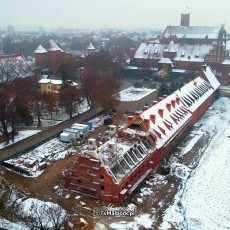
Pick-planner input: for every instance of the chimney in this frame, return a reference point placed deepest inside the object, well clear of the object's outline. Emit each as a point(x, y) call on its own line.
point(146, 107)
point(204, 67)
point(195, 83)
point(147, 123)
point(161, 112)
point(164, 96)
point(168, 106)
point(137, 113)
point(173, 102)
point(178, 100)
point(160, 98)
point(153, 118)
point(154, 102)
point(130, 119)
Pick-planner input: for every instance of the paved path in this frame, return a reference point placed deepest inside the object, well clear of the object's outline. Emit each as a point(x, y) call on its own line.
point(44, 134)
point(51, 131)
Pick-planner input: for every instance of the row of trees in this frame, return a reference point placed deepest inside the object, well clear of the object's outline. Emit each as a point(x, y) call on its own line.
point(100, 82)
point(21, 101)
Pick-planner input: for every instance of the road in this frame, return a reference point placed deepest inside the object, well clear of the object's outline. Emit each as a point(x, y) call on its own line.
point(51, 131)
point(44, 134)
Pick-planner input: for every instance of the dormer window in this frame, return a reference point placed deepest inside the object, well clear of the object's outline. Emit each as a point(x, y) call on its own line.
point(145, 51)
point(197, 54)
point(156, 51)
point(183, 53)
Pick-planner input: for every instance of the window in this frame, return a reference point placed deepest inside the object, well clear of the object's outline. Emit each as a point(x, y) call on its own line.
point(78, 181)
point(102, 177)
point(102, 187)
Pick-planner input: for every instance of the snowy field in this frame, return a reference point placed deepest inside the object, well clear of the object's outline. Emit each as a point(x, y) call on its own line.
point(205, 196)
point(21, 135)
point(134, 94)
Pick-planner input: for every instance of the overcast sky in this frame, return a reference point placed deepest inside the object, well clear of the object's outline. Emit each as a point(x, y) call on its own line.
point(124, 14)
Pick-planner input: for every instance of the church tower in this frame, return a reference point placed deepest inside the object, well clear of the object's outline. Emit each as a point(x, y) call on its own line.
point(185, 18)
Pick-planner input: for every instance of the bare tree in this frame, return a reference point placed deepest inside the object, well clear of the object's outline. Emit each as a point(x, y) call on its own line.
point(8, 116)
point(105, 92)
point(46, 217)
point(70, 99)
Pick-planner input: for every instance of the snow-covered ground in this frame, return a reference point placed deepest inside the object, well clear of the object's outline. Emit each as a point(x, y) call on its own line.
point(134, 94)
point(203, 202)
point(61, 115)
point(21, 135)
point(46, 214)
point(36, 160)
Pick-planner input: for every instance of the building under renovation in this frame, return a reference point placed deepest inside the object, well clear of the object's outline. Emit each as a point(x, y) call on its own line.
point(113, 170)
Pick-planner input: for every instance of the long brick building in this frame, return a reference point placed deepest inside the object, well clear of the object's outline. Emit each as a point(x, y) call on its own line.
point(113, 170)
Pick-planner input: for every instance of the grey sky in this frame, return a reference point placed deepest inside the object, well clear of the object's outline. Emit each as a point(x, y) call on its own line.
point(125, 14)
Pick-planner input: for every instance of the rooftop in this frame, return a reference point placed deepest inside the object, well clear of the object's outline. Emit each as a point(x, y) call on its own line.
point(195, 32)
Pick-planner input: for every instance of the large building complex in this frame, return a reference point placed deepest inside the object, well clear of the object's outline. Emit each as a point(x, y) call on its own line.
point(184, 48)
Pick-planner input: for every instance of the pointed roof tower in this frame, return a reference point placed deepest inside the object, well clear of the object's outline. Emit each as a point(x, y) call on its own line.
point(90, 47)
point(40, 50)
point(52, 46)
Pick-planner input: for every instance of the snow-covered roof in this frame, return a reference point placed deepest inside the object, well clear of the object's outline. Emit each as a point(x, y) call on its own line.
point(171, 48)
point(165, 60)
point(228, 45)
point(168, 116)
point(195, 32)
point(184, 52)
point(52, 81)
point(174, 116)
point(12, 66)
point(52, 46)
point(194, 53)
point(194, 93)
point(211, 77)
point(40, 50)
point(149, 51)
point(90, 47)
point(226, 61)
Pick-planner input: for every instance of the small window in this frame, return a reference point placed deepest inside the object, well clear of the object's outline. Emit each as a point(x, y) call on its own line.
point(78, 181)
point(102, 187)
point(102, 177)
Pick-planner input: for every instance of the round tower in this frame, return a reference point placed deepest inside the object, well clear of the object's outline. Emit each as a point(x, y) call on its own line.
point(41, 56)
point(55, 54)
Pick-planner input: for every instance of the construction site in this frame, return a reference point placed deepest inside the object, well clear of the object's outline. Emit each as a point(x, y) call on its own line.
point(112, 170)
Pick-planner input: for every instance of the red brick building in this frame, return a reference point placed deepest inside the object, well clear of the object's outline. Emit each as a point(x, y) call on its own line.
point(113, 170)
point(187, 47)
point(51, 56)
